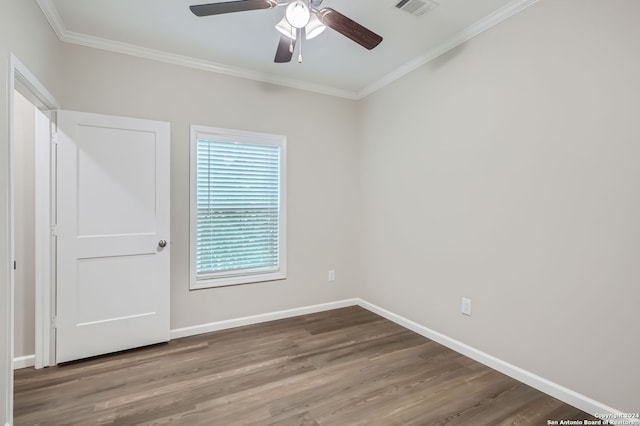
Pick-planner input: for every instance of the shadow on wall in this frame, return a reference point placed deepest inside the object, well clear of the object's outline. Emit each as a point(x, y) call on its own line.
point(272, 88)
point(442, 60)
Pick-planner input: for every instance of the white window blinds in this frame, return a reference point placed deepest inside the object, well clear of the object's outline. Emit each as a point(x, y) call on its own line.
point(238, 203)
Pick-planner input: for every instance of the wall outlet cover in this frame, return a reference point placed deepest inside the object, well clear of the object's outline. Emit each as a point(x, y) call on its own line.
point(465, 307)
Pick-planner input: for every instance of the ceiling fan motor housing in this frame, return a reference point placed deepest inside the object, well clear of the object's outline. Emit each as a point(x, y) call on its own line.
point(298, 14)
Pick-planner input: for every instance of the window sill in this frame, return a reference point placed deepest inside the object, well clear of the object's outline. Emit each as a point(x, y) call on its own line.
point(199, 284)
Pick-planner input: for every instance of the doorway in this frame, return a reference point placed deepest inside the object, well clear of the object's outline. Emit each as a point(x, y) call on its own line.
point(99, 223)
point(31, 119)
point(24, 138)
point(32, 240)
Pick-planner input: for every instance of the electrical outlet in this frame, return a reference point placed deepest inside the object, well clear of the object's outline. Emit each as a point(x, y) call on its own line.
point(465, 307)
point(331, 276)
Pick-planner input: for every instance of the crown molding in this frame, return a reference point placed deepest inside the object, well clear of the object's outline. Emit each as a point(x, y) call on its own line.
point(197, 63)
point(467, 34)
point(52, 15)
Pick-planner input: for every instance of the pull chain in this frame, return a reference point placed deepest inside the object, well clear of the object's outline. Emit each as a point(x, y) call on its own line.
point(291, 41)
point(300, 36)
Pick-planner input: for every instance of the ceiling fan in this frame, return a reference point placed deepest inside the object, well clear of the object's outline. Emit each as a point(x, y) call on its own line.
point(303, 19)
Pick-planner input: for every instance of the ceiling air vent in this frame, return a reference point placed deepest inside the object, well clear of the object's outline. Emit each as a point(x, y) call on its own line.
point(417, 7)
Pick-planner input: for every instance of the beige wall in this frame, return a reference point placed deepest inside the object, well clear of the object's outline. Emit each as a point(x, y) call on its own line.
point(322, 182)
point(24, 224)
point(507, 171)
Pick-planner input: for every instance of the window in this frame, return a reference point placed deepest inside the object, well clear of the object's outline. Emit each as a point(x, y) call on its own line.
point(238, 205)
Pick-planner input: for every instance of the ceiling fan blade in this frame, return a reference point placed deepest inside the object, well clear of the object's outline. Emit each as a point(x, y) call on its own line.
point(282, 53)
point(349, 28)
point(231, 6)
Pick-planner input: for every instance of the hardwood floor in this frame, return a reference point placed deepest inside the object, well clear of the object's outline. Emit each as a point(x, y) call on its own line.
point(342, 367)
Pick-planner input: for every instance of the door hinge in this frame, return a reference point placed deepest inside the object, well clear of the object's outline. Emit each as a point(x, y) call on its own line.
point(54, 321)
point(54, 231)
point(15, 265)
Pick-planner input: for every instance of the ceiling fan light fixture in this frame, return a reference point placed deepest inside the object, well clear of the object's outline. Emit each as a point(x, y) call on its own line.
point(298, 14)
point(314, 28)
point(285, 28)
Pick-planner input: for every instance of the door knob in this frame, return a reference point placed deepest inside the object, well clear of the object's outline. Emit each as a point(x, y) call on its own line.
point(162, 243)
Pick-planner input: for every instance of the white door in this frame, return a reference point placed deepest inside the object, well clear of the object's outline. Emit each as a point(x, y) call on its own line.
point(112, 228)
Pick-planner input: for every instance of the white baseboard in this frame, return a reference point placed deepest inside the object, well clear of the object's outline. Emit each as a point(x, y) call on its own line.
point(24, 361)
point(256, 319)
point(568, 396)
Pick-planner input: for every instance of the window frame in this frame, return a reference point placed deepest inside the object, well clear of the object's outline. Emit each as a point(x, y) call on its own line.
point(242, 137)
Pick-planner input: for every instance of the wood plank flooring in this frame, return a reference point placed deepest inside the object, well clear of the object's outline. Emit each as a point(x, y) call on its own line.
point(341, 367)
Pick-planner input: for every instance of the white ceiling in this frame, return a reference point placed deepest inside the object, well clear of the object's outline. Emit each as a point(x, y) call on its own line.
point(244, 43)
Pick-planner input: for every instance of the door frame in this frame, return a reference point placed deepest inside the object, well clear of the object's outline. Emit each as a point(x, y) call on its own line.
point(25, 82)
